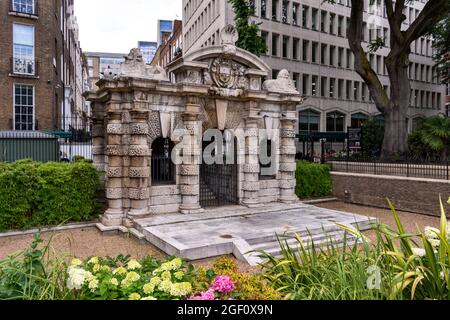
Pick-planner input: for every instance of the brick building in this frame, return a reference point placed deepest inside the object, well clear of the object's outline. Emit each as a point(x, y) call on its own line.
point(171, 48)
point(42, 74)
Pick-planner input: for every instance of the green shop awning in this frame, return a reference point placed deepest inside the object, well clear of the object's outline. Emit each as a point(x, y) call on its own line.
point(61, 134)
point(316, 136)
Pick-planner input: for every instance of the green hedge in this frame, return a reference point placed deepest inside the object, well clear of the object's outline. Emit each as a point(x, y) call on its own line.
point(313, 180)
point(36, 194)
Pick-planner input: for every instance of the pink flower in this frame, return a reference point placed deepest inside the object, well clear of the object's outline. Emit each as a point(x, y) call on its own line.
point(206, 296)
point(223, 284)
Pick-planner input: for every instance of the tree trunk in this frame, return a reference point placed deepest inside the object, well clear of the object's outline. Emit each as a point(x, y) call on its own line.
point(396, 131)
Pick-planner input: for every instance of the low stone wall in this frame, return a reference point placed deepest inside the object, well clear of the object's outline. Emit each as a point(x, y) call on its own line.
point(407, 194)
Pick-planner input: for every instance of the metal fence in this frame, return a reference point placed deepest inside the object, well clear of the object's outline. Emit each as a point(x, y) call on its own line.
point(403, 168)
point(67, 145)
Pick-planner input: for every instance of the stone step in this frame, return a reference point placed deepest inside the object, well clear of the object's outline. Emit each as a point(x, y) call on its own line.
point(261, 239)
point(337, 241)
point(293, 240)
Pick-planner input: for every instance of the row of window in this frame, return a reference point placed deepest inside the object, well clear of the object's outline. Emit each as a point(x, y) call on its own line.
point(310, 120)
point(321, 53)
point(334, 88)
point(309, 17)
point(204, 20)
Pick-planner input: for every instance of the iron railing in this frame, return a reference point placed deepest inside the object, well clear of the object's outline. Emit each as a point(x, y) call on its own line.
point(218, 185)
point(22, 66)
point(163, 171)
point(428, 169)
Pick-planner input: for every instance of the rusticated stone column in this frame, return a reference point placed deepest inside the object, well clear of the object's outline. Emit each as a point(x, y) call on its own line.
point(98, 137)
point(114, 171)
point(190, 167)
point(287, 161)
point(139, 169)
point(250, 185)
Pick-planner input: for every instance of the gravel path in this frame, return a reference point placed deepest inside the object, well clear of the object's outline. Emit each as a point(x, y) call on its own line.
point(87, 242)
point(409, 220)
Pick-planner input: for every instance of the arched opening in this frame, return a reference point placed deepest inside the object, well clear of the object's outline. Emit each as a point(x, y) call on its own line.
point(335, 122)
point(309, 121)
point(359, 119)
point(163, 169)
point(219, 178)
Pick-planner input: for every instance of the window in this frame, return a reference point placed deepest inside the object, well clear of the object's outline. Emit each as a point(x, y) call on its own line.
point(358, 119)
point(323, 53)
point(305, 80)
point(295, 9)
point(332, 87)
point(295, 44)
point(305, 12)
point(335, 122)
point(332, 21)
point(314, 84)
point(275, 10)
point(23, 107)
point(323, 86)
point(379, 120)
point(323, 21)
point(348, 94)
point(284, 13)
point(349, 58)
point(275, 38)
point(265, 37)
point(356, 90)
point(341, 26)
point(23, 6)
point(309, 121)
point(416, 123)
point(340, 88)
point(285, 47)
point(263, 9)
point(332, 55)
point(305, 50)
point(315, 13)
point(163, 169)
point(23, 51)
point(314, 52)
point(341, 57)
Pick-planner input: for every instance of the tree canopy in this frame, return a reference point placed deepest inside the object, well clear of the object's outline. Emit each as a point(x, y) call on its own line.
point(249, 38)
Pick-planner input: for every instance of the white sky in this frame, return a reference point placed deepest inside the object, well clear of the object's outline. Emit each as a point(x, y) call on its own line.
point(117, 25)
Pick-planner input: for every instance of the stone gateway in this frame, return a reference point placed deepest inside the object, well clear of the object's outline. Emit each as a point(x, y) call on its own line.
point(219, 133)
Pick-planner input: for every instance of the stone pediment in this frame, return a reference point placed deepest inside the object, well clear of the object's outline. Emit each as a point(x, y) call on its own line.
point(228, 69)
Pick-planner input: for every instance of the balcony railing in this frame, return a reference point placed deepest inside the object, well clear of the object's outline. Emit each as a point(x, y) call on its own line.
point(24, 9)
point(23, 66)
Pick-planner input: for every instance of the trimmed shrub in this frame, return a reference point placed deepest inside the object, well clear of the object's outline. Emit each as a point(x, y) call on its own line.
point(313, 180)
point(47, 194)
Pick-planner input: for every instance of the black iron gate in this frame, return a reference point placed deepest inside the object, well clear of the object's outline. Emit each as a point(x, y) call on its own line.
point(219, 183)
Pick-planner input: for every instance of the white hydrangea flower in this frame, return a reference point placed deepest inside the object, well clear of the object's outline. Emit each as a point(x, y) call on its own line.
point(419, 252)
point(431, 233)
point(133, 265)
point(77, 277)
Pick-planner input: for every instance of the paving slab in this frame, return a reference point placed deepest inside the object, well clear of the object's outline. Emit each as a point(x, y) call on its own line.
point(224, 230)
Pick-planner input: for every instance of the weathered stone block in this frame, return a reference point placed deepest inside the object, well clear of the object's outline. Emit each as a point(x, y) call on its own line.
point(140, 172)
point(189, 170)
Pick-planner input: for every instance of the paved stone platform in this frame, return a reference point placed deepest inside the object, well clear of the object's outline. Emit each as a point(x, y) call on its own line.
point(238, 230)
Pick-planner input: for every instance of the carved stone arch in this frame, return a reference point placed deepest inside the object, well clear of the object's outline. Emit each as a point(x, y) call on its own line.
point(154, 127)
